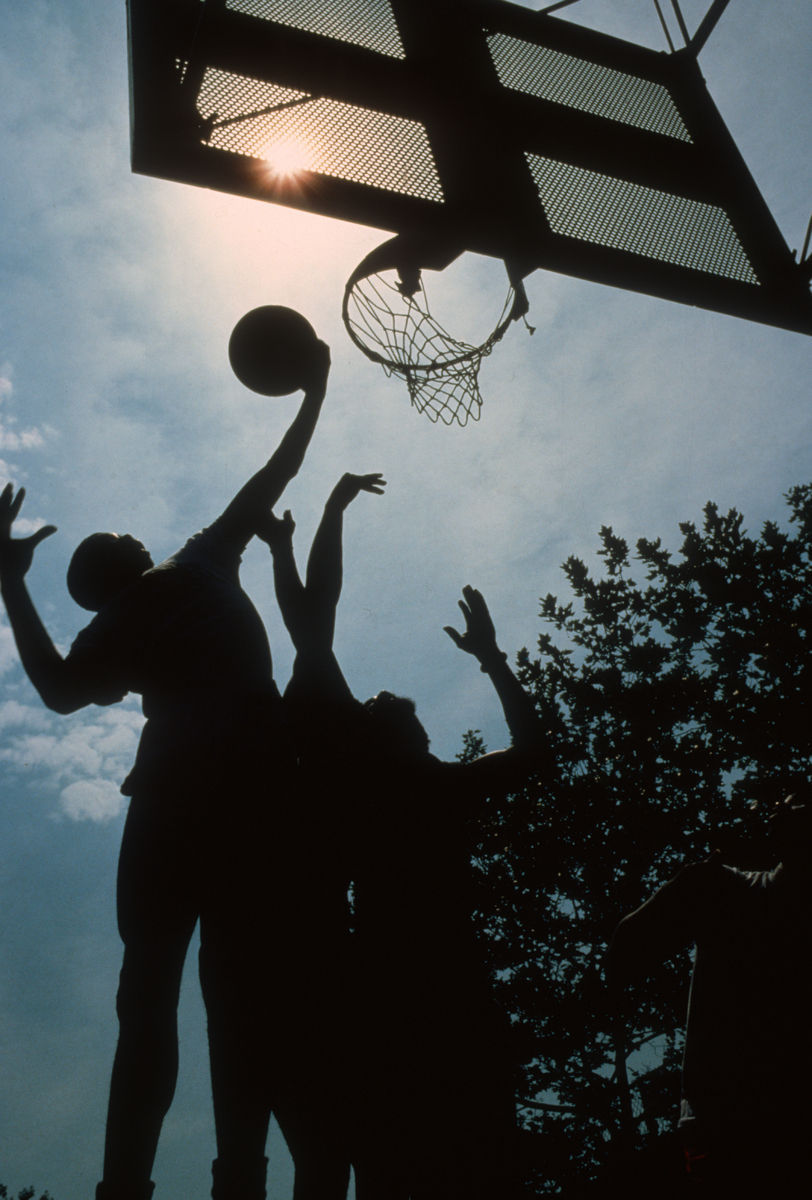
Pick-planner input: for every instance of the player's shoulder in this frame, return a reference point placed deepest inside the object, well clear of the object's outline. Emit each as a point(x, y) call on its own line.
point(199, 545)
point(704, 876)
point(456, 775)
point(700, 868)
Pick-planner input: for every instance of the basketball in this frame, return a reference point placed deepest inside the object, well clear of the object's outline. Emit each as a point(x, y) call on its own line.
point(269, 348)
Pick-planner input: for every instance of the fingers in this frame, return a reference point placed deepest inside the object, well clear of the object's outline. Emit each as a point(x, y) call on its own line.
point(321, 359)
point(40, 535)
point(17, 502)
point(474, 597)
point(349, 486)
point(371, 483)
point(454, 635)
point(477, 610)
point(373, 479)
point(274, 530)
point(11, 503)
point(5, 511)
point(10, 506)
point(284, 524)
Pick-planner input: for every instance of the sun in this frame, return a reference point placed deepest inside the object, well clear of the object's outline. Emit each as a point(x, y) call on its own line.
point(286, 160)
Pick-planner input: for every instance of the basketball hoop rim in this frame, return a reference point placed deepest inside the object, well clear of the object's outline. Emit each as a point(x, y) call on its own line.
point(423, 253)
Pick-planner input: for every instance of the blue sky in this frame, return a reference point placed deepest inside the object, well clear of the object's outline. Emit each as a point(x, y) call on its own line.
point(118, 410)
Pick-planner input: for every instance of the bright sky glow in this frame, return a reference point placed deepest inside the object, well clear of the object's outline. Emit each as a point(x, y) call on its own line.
point(285, 160)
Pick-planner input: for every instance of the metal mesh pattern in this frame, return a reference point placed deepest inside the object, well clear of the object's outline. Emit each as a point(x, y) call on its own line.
point(399, 332)
point(295, 131)
point(627, 216)
point(587, 86)
point(368, 23)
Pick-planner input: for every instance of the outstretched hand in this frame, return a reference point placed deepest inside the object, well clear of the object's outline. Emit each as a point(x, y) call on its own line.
point(275, 530)
point(17, 554)
point(479, 638)
point(349, 486)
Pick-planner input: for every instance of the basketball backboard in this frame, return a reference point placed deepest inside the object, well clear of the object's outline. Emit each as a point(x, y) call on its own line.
point(480, 124)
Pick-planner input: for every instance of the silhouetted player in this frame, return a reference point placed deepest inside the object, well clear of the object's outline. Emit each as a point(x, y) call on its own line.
point(746, 1093)
point(185, 636)
point(431, 1101)
point(307, 1083)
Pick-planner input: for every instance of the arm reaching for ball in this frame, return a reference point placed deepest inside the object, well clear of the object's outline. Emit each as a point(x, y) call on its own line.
point(309, 609)
point(246, 512)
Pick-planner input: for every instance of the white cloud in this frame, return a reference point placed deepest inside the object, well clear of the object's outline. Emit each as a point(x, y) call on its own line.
point(60, 756)
point(26, 439)
point(91, 800)
point(14, 714)
point(25, 525)
point(13, 439)
point(8, 651)
point(83, 757)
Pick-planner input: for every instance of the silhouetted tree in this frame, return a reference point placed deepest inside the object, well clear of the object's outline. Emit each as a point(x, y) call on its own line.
point(674, 689)
point(27, 1193)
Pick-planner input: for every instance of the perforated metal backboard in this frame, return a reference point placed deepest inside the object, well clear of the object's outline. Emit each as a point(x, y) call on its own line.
point(513, 133)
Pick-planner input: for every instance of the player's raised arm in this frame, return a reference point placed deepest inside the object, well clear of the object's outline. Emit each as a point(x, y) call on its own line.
point(56, 683)
point(501, 769)
point(246, 511)
point(325, 562)
point(479, 640)
point(309, 609)
point(277, 533)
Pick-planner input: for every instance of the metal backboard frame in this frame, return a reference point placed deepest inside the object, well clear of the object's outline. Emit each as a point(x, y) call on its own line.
point(480, 123)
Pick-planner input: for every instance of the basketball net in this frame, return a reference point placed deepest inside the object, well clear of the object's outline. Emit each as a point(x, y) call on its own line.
point(386, 312)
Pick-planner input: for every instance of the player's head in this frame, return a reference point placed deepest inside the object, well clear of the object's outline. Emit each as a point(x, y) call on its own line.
point(395, 725)
point(103, 565)
point(791, 825)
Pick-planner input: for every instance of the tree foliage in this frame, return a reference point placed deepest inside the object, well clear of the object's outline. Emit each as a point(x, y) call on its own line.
point(673, 689)
point(27, 1193)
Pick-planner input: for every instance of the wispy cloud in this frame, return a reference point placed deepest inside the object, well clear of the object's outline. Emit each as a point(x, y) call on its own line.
point(11, 438)
point(26, 439)
point(16, 716)
point(9, 659)
point(81, 758)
